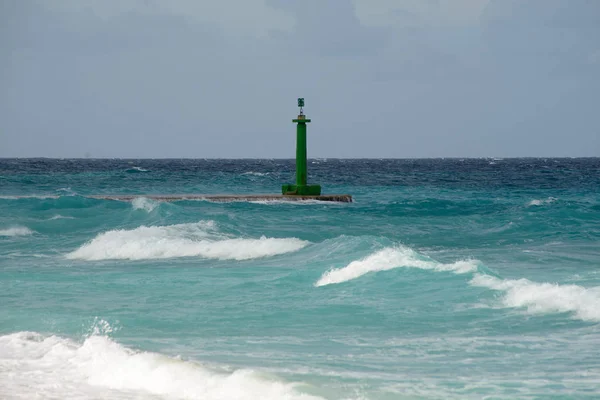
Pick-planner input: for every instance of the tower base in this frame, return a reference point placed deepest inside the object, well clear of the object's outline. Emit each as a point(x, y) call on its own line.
point(303, 190)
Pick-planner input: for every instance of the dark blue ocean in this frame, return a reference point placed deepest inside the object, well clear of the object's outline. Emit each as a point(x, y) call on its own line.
point(444, 279)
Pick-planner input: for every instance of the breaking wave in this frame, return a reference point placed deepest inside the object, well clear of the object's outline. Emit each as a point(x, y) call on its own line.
point(256, 173)
point(58, 216)
point(390, 258)
point(16, 231)
point(536, 298)
point(34, 366)
point(541, 202)
point(136, 170)
point(183, 240)
point(543, 298)
point(144, 203)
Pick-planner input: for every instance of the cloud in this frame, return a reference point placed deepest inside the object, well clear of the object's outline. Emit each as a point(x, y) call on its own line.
point(241, 18)
point(551, 37)
point(329, 28)
point(381, 79)
point(410, 13)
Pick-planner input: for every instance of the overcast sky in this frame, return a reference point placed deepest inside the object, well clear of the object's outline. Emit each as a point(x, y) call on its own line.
point(220, 78)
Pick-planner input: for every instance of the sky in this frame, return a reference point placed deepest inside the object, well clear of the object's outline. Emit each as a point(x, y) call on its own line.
point(220, 78)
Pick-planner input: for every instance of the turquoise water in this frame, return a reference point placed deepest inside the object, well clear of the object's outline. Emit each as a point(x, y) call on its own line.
point(476, 278)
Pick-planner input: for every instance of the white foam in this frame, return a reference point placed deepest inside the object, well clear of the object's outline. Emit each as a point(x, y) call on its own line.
point(34, 366)
point(536, 298)
point(390, 258)
point(183, 240)
point(144, 203)
point(67, 190)
point(16, 231)
point(542, 298)
point(256, 173)
point(541, 202)
point(136, 169)
point(58, 216)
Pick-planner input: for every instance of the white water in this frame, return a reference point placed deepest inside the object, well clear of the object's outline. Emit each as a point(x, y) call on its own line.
point(183, 240)
point(390, 258)
point(540, 202)
point(58, 216)
point(256, 173)
point(144, 203)
point(543, 298)
point(536, 298)
point(16, 231)
point(36, 367)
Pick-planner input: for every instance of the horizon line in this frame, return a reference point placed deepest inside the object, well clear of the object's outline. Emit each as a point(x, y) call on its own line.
point(292, 159)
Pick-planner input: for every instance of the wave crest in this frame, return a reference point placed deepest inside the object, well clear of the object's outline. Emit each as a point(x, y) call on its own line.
point(182, 240)
point(144, 203)
point(541, 202)
point(390, 258)
point(543, 298)
point(58, 216)
point(134, 170)
point(16, 231)
point(536, 298)
point(102, 368)
point(256, 173)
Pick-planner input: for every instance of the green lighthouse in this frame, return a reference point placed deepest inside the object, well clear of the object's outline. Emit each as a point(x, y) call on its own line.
point(301, 188)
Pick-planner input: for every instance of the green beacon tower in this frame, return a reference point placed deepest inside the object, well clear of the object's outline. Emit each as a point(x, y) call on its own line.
point(301, 188)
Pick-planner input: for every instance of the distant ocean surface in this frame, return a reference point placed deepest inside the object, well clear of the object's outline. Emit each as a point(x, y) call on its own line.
point(445, 279)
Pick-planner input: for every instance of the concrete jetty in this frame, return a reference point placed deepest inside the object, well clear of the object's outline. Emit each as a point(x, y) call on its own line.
point(224, 198)
point(300, 191)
